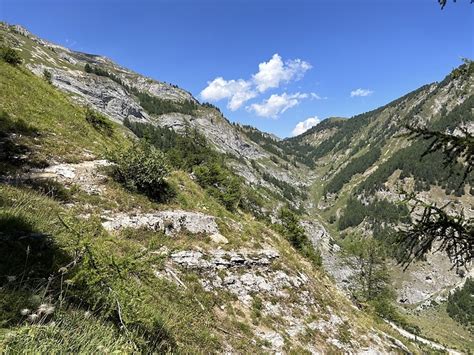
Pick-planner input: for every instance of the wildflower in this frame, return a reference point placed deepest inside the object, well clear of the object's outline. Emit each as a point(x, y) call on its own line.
point(33, 318)
point(25, 312)
point(46, 309)
point(87, 314)
point(11, 278)
point(49, 310)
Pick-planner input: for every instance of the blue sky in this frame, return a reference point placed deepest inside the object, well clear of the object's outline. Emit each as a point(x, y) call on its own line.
point(271, 64)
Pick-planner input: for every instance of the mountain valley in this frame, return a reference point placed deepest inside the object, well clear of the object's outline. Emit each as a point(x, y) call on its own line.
point(130, 209)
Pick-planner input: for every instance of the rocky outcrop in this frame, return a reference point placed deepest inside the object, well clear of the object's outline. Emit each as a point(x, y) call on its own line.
point(426, 280)
point(220, 259)
point(257, 279)
point(219, 132)
point(168, 222)
point(334, 264)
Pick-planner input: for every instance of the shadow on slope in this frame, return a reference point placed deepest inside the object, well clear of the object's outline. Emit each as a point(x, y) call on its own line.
point(14, 151)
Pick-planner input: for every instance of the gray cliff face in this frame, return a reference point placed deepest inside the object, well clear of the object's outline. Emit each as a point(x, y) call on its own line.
point(101, 93)
point(216, 130)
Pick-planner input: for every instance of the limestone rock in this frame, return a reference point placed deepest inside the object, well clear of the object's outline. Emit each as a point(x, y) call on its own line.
point(169, 222)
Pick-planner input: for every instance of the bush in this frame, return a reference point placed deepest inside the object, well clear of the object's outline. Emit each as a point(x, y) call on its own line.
point(99, 122)
point(253, 203)
point(142, 168)
point(10, 56)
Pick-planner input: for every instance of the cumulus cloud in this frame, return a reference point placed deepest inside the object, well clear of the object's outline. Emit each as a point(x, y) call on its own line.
point(277, 104)
point(303, 126)
point(361, 92)
point(236, 91)
point(272, 73)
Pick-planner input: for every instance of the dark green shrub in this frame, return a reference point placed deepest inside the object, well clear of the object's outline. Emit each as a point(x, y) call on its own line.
point(143, 168)
point(10, 56)
point(191, 152)
point(252, 202)
point(99, 122)
point(221, 184)
point(48, 76)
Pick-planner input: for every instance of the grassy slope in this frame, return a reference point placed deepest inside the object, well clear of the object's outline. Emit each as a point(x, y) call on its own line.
point(61, 133)
point(59, 129)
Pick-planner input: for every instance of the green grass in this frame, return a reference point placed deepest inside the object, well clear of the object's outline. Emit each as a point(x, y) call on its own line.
point(109, 272)
point(436, 324)
point(62, 335)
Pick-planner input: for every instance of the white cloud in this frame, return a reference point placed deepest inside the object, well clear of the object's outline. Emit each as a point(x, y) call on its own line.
point(272, 73)
point(303, 126)
point(277, 104)
point(237, 91)
point(361, 92)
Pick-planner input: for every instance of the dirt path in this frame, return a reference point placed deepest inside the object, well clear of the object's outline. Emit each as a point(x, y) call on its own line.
point(419, 339)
